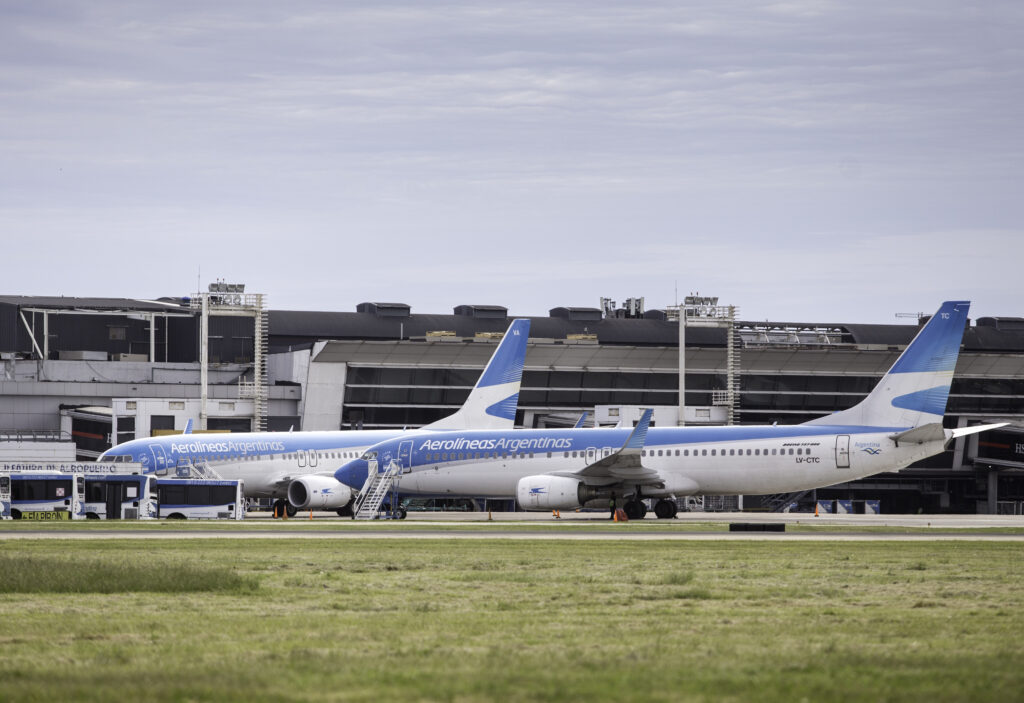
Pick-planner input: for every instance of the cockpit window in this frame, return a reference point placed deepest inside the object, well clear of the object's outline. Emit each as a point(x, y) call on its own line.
point(369, 456)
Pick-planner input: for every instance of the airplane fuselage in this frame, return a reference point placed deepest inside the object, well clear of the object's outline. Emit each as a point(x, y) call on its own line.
point(691, 460)
point(262, 459)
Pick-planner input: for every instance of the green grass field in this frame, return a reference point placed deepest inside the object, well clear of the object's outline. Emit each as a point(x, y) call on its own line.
point(469, 620)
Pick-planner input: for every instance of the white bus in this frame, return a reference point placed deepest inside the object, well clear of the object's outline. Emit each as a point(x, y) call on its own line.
point(5, 496)
point(182, 499)
point(47, 496)
point(121, 497)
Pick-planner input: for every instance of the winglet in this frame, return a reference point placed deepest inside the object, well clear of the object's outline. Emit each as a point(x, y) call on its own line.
point(188, 427)
point(639, 435)
point(579, 423)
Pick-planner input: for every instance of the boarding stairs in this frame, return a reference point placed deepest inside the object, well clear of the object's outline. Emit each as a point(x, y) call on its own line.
point(197, 470)
point(376, 487)
point(778, 502)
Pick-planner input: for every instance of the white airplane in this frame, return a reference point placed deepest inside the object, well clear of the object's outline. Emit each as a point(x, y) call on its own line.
point(297, 468)
point(900, 422)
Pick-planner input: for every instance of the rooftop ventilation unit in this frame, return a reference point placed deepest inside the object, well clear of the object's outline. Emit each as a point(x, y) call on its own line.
point(385, 309)
point(483, 312)
point(579, 314)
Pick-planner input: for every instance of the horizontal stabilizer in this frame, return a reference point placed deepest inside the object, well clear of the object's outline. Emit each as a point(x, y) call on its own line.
point(964, 431)
point(932, 432)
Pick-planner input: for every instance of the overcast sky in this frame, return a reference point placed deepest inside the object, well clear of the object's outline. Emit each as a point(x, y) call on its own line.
point(803, 160)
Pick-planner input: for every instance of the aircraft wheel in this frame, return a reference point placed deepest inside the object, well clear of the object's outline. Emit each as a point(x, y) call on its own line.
point(635, 510)
point(665, 509)
point(290, 509)
point(402, 513)
point(280, 506)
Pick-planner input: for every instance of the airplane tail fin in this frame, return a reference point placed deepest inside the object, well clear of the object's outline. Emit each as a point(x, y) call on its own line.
point(491, 404)
point(914, 391)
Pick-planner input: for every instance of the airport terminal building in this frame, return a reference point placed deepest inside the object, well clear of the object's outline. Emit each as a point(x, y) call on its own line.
point(97, 372)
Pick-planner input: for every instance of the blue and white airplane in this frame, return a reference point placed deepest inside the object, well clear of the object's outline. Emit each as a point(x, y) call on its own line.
point(300, 466)
point(899, 422)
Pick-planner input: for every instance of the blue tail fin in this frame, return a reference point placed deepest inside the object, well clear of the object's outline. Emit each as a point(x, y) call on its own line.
point(492, 403)
point(914, 391)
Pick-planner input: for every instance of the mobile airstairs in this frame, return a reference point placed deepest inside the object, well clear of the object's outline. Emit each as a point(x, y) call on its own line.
point(375, 490)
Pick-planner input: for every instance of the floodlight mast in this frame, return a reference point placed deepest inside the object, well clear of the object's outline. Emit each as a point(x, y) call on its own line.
point(704, 311)
point(230, 299)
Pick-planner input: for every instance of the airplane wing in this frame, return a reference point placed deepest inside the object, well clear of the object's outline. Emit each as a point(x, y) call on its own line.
point(624, 465)
point(279, 482)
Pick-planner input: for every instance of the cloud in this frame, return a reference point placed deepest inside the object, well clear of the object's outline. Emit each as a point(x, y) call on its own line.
point(768, 150)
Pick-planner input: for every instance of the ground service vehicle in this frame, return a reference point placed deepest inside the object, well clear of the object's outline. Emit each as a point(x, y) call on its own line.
point(117, 497)
point(5, 497)
point(182, 499)
point(47, 496)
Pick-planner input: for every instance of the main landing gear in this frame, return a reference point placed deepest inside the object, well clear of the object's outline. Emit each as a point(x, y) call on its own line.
point(282, 507)
point(664, 509)
point(635, 509)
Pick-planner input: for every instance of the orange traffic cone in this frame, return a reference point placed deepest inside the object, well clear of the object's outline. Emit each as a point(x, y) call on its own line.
point(815, 510)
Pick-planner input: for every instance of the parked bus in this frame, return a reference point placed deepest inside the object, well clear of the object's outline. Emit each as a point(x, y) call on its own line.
point(181, 499)
point(47, 496)
point(117, 497)
point(5, 496)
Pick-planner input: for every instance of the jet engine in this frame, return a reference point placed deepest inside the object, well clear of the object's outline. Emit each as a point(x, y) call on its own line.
point(545, 492)
point(318, 493)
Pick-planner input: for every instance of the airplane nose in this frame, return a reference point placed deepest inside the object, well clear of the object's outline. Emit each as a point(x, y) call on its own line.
point(353, 474)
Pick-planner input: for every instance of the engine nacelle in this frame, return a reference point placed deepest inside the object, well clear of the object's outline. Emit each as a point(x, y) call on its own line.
point(318, 493)
point(544, 492)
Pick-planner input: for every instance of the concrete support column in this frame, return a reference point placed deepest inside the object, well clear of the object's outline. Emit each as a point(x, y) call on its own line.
point(993, 490)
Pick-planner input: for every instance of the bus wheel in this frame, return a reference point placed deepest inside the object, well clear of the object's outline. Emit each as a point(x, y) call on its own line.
point(15, 514)
point(175, 516)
